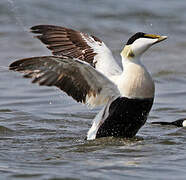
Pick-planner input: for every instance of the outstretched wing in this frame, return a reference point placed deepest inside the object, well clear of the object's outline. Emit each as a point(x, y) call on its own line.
point(67, 42)
point(76, 78)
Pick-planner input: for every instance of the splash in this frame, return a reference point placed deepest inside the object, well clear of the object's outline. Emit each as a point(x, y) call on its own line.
point(18, 18)
point(3, 68)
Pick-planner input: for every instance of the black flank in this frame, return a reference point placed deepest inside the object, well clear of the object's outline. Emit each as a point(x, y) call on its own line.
point(126, 117)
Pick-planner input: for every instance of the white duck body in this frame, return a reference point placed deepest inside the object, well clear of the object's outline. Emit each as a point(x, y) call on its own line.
point(83, 67)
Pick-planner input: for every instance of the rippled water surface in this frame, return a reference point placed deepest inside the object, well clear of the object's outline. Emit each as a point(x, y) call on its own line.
point(42, 131)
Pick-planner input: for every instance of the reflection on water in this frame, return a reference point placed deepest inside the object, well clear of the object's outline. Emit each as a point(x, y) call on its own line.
point(43, 130)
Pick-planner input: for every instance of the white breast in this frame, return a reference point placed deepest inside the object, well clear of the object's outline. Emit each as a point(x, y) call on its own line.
point(184, 123)
point(136, 82)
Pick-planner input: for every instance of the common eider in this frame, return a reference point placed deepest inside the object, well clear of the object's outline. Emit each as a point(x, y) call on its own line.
point(84, 67)
point(177, 123)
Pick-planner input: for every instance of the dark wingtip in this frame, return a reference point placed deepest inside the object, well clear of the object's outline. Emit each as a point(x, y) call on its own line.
point(13, 66)
point(38, 29)
point(40, 26)
point(33, 28)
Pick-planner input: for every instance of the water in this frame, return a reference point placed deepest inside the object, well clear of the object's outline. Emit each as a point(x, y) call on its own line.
point(42, 130)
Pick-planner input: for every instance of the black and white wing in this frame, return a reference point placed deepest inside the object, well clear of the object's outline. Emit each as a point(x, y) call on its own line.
point(77, 78)
point(67, 42)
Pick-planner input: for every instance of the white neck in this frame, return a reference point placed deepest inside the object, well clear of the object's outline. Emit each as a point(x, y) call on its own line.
point(135, 81)
point(134, 60)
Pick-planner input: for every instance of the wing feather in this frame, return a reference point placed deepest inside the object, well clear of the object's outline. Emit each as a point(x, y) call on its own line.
point(78, 79)
point(63, 41)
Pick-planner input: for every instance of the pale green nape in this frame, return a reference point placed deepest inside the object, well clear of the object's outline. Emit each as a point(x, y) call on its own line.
point(127, 52)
